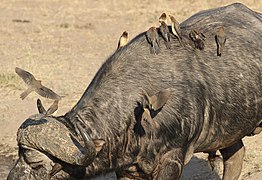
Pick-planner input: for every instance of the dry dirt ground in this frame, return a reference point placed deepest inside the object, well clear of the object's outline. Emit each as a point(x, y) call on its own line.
point(65, 42)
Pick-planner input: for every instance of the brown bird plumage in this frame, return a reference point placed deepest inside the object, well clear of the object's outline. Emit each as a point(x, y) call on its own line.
point(175, 27)
point(152, 38)
point(123, 40)
point(164, 31)
point(198, 39)
point(156, 101)
point(35, 85)
point(147, 122)
point(151, 104)
point(220, 40)
point(53, 108)
point(162, 18)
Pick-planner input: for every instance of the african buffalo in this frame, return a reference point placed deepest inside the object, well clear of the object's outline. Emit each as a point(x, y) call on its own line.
point(212, 103)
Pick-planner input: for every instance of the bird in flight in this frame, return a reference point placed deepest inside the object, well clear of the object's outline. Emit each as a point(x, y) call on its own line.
point(35, 85)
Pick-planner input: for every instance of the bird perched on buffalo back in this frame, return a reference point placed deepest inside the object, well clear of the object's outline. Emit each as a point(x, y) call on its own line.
point(164, 31)
point(123, 40)
point(162, 18)
point(153, 40)
point(175, 27)
point(220, 40)
point(198, 39)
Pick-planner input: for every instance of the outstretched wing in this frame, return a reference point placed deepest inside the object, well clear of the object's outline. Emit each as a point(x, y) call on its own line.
point(47, 93)
point(52, 108)
point(26, 76)
point(158, 100)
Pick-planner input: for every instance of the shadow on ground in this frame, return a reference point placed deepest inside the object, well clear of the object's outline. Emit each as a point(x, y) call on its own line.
point(200, 169)
point(197, 168)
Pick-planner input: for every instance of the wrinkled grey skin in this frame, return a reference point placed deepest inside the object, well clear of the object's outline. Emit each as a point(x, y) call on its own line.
point(215, 102)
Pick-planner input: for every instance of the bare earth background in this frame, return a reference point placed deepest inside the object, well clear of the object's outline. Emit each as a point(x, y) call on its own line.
point(63, 43)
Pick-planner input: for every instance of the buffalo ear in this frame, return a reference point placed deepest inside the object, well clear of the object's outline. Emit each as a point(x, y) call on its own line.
point(98, 144)
point(158, 100)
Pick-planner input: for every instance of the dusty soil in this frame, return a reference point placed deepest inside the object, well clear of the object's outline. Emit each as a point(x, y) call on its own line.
point(65, 42)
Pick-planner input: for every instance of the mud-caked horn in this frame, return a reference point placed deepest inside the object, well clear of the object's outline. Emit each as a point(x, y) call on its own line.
point(50, 136)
